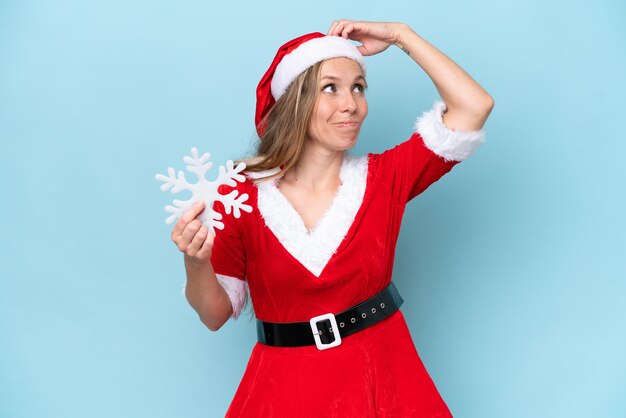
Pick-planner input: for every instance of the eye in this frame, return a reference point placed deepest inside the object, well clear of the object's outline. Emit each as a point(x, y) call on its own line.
point(332, 86)
point(360, 87)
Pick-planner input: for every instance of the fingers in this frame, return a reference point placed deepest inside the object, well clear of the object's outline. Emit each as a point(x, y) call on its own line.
point(190, 236)
point(207, 246)
point(184, 220)
point(197, 241)
point(189, 233)
point(346, 31)
point(201, 244)
point(337, 28)
point(331, 29)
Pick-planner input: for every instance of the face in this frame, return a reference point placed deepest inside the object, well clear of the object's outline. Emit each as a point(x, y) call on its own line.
point(340, 107)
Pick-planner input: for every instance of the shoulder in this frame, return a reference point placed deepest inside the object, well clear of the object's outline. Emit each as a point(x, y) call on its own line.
point(354, 166)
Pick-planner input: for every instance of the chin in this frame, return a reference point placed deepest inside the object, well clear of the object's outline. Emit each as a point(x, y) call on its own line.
point(348, 144)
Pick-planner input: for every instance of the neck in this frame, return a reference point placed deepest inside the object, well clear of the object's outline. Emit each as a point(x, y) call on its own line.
point(317, 168)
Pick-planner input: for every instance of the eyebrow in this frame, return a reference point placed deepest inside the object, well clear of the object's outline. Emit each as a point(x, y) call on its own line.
point(358, 77)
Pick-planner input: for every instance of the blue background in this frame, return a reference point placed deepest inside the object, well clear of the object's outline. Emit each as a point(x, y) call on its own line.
point(511, 266)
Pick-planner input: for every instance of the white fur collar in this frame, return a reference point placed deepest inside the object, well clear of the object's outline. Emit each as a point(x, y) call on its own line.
point(314, 249)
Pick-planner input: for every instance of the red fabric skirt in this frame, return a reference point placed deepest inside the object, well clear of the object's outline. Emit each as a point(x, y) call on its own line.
point(376, 372)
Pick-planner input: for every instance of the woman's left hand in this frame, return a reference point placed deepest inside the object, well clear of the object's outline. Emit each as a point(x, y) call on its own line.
point(375, 36)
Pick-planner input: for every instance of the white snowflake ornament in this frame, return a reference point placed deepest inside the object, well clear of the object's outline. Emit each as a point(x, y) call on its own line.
point(204, 190)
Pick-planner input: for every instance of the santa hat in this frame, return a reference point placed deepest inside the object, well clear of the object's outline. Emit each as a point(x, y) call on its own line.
point(291, 60)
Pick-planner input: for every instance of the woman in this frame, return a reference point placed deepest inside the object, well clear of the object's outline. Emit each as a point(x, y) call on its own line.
point(317, 251)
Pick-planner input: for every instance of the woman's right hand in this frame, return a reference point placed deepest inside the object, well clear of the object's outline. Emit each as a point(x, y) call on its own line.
point(375, 36)
point(191, 237)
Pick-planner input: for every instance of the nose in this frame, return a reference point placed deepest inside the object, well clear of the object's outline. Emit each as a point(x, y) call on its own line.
point(348, 103)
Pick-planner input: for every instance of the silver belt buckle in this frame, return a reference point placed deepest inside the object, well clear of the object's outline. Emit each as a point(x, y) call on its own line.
point(333, 328)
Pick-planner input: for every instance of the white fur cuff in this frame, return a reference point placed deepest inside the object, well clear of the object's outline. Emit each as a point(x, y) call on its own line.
point(236, 290)
point(443, 141)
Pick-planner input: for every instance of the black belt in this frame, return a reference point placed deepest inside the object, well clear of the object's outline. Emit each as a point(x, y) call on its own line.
point(321, 330)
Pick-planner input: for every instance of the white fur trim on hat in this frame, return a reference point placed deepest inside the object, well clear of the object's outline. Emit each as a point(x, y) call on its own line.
point(308, 54)
point(443, 141)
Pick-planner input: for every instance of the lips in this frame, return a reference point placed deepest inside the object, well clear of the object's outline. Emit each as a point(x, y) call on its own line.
point(347, 123)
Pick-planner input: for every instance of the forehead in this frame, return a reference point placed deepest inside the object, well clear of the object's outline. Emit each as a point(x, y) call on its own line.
point(340, 67)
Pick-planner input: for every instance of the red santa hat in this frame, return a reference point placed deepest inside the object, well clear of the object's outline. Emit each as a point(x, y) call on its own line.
point(291, 60)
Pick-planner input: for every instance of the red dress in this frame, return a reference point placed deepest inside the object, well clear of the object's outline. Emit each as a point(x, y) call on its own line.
point(294, 275)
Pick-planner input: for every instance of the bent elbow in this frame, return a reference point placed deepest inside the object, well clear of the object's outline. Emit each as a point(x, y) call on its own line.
point(489, 103)
point(482, 113)
point(213, 327)
point(213, 324)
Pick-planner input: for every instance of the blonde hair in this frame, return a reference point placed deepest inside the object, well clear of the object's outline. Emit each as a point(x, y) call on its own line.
point(286, 126)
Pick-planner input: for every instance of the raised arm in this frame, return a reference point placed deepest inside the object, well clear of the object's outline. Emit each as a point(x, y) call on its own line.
point(468, 104)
